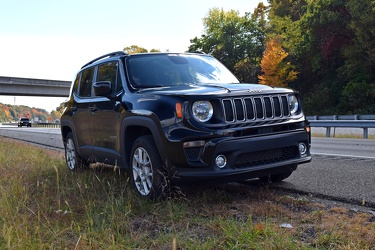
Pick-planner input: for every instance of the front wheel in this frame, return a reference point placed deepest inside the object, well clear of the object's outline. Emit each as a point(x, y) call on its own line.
point(147, 175)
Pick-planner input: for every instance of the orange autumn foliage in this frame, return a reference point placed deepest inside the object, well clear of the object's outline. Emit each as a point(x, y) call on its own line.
point(276, 72)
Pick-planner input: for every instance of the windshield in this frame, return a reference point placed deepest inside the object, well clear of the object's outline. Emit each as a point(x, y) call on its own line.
point(159, 70)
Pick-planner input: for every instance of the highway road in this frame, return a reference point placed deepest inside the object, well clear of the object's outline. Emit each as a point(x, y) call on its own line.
point(50, 137)
point(341, 169)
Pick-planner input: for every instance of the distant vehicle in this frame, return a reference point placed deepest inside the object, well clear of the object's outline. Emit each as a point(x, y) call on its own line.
point(24, 121)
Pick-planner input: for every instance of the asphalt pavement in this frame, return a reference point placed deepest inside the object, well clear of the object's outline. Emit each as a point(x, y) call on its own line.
point(340, 178)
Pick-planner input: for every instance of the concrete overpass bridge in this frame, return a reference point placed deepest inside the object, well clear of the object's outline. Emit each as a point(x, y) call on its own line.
point(16, 86)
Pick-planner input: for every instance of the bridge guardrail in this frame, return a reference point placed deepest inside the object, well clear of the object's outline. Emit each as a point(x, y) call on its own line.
point(343, 121)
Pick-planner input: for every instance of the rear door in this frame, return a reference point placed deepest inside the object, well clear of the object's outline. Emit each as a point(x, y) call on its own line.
point(81, 113)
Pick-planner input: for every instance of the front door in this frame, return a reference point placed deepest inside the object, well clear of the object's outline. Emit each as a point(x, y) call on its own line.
point(105, 119)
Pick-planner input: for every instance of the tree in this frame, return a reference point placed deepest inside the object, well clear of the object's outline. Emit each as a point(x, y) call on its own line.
point(358, 69)
point(14, 112)
point(237, 41)
point(359, 54)
point(276, 72)
point(60, 108)
point(331, 43)
point(154, 50)
point(133, 49)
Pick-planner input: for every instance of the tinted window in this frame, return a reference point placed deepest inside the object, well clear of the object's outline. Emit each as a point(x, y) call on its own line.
point(110, 72)
point(86, 82)
point(175, 69)
point(119, 81)
point(76, 83)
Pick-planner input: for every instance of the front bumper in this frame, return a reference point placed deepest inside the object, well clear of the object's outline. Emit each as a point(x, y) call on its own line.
point(247, 158)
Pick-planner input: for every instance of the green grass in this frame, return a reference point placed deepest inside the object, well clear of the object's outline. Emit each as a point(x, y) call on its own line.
point(44, 206)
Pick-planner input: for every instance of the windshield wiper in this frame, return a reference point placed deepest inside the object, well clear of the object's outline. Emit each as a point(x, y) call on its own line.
point(148, 86)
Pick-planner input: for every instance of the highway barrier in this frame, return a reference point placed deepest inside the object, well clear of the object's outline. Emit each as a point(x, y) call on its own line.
point(326, 121)
point(36, 125)
point(343, 121)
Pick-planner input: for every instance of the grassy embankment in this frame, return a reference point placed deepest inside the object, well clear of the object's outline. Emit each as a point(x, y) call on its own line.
point(43, 206)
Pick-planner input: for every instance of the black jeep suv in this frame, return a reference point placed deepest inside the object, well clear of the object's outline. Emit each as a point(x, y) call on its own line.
point(181, 118)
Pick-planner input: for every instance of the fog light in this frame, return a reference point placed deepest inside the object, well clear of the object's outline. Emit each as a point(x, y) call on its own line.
point(302, 148)
point(221, 161)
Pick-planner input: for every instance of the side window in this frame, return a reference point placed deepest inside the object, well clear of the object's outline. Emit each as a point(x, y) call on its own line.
point(119, 81)
point(108, 72)
point(86, 83)
point(76, 83)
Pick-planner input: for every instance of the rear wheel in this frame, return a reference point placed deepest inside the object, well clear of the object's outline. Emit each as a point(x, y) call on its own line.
point(146, 171)
point(73, 160)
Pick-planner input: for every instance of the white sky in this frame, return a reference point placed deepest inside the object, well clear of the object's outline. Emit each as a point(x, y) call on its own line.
point(48, 39)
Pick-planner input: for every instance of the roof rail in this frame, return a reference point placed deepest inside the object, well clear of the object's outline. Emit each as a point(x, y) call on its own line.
point(117, 53)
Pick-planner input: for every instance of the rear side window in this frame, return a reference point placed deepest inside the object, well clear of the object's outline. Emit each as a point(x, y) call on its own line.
point(86, 82)
point(76, 84)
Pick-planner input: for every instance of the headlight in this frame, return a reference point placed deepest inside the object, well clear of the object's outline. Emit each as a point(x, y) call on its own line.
point(293, 104)
point(202, 111)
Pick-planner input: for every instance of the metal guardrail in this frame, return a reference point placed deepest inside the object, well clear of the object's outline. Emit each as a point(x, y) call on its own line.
point(343, 121)
point(46, 125)
point(37, 125)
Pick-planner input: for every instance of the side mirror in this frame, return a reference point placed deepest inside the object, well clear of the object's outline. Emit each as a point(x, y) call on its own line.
point(103, 89)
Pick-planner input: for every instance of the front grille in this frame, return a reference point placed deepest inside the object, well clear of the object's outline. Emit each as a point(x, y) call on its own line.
point(256, 108)
point(266, 157)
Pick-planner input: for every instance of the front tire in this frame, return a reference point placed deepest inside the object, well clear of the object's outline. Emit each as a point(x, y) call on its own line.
point(147, 175)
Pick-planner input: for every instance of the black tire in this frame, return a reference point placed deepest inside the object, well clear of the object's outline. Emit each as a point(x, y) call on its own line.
point(73, 160)
point(146, 169)
point(278, 177)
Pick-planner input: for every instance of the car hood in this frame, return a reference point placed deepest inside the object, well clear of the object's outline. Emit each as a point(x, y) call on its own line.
point(215, 89)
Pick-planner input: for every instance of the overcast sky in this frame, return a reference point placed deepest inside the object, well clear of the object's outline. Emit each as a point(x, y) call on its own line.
point(52, 39)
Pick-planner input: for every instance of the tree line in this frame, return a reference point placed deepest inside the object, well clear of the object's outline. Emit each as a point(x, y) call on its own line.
point(325, 49)
point(12, 113)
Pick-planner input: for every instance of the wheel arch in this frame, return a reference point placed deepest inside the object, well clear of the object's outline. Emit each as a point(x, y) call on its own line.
point(134, 127)
point(66, 127)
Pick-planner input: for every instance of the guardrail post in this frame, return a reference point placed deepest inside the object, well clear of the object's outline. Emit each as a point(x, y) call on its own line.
point(328, 132)
point(365, 133)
